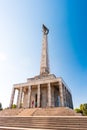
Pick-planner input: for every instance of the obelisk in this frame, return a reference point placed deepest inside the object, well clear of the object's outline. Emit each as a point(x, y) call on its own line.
point(44, 67)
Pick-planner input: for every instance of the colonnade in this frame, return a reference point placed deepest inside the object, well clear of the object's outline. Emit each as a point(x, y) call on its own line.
point(65, 96)
point(20, 92)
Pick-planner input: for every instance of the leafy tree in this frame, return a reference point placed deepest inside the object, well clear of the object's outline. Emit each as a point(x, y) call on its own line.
point(82, 109)
point(78, 110)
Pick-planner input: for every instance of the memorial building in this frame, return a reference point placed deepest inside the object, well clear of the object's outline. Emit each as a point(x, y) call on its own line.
point(44, 90)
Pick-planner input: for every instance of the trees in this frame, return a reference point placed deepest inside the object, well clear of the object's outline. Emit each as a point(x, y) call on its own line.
point(82, 109)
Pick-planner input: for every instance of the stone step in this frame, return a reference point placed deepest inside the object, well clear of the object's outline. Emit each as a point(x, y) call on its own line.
point(34, 123)
point(10, 112)
point(58, 111)
point(10, 128)
point(45, 122)
point(17, 128)
point(45, 125)
point(27, 112)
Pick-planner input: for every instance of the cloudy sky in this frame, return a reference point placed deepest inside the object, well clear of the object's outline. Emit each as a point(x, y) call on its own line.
point(21, 40)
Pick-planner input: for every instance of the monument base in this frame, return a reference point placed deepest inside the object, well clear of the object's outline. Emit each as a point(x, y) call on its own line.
point(57, 111)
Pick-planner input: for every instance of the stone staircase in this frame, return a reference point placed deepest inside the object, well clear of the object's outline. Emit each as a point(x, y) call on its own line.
point(10, 112)
point(45, 123)
point(59, 111)
point(28, 112)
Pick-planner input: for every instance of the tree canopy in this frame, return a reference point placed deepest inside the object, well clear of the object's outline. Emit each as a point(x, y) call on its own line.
point(82, 109)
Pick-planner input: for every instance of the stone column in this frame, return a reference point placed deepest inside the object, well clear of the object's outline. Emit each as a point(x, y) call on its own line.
point(49, 95)
point(20, 98)
point(68, 97)
point(64, 95)
point(71, 102)
point(61, 94)
point(38, 96)
point(12, 98)
point(29, 96)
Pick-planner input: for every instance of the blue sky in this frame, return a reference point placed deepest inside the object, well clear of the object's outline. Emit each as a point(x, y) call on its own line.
point(21, 41)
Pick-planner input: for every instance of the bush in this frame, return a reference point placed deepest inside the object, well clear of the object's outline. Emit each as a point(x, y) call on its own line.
point(78, 110)
point(14, 106)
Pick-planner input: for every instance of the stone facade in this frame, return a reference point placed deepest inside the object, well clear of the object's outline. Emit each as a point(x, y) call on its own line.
point(44, 90)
